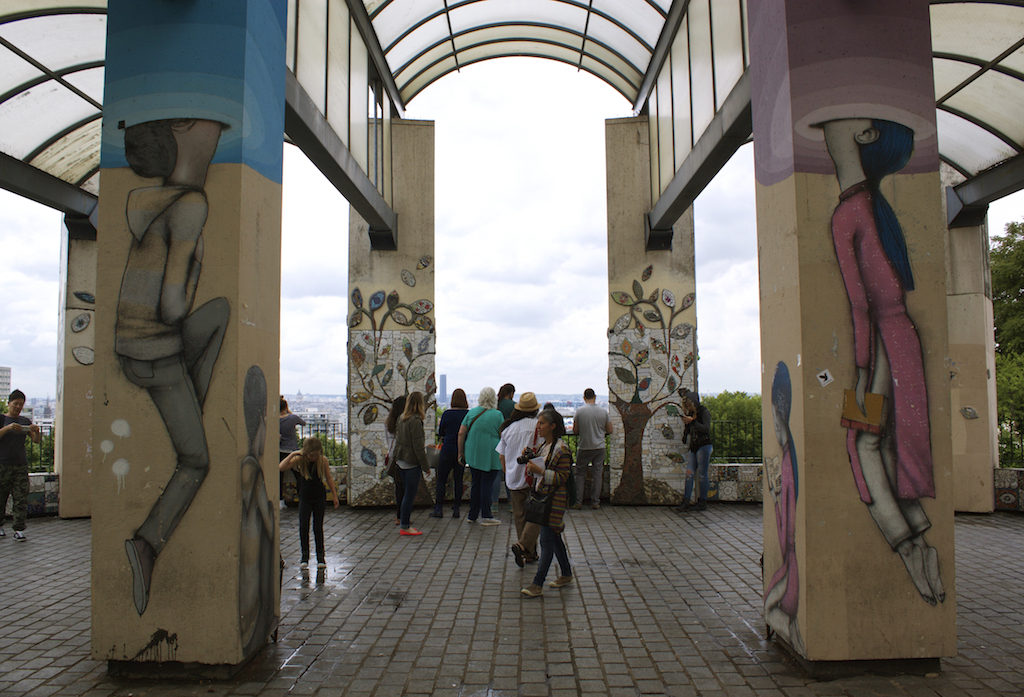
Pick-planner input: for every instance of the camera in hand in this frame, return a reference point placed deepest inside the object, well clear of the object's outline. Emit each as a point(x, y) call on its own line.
point(528, 454)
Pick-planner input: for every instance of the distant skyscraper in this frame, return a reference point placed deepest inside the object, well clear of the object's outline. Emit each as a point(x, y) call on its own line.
point(443, 397)
point(5, 382)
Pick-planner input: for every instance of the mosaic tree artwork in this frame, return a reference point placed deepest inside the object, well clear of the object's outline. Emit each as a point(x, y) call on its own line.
point(651, 357)
point(392, 356)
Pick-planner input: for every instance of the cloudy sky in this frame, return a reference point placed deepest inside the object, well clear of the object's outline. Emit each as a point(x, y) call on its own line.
point(520, 248)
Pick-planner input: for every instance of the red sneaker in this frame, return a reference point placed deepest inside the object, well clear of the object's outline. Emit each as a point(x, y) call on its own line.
point(410, 531)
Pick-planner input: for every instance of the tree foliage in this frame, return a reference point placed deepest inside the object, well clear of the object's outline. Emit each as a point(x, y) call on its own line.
point(735, 426)
point(1007, 265)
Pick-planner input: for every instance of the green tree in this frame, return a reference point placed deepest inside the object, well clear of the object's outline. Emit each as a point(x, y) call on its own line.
point(735, 426)
point(1007, 265)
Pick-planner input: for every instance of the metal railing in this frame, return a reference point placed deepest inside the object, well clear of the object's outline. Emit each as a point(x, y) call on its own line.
point(334, 438)
point(40, 455)
point(1011, 443)
point(736, 441)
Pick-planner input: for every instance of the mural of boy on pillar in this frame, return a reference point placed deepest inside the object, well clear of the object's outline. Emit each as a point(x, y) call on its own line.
point(650, 357)
point(890, 450)
point(164, 347)
point(782, 592)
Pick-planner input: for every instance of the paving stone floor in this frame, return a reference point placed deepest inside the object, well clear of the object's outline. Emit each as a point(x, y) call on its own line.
point(663, 605)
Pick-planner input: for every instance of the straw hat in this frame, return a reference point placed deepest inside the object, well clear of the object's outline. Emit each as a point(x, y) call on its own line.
point(527, 402)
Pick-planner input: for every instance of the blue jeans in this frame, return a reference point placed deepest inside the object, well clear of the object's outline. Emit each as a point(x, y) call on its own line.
point(480, 493)
point(411, 481)
point(551, 545)
point(697, 463)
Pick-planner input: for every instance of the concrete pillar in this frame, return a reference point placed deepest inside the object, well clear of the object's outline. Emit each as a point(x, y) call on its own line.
point(391, 316)
point(858, 515)
point(72, 455)
point(972, 370)
point(185, 566)
point(652, 320)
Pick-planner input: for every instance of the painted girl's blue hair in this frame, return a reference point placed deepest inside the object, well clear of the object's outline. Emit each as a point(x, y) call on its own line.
point(887, 155)
point(782, 403)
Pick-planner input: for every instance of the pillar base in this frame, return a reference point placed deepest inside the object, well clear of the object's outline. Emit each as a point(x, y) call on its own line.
point(834, 670)
point(175, 670)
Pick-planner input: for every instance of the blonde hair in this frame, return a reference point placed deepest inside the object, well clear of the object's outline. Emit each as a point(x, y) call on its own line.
point(415, 405)
point(309, 446)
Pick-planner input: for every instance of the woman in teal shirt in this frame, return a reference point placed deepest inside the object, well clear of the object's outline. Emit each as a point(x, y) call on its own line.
point(478, 437)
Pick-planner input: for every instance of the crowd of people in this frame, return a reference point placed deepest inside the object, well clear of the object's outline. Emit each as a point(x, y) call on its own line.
point(506, 443)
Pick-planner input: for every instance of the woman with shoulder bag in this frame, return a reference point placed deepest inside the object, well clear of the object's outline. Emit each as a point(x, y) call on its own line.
point(696, 432)
point(553, 467)
point(410, 456)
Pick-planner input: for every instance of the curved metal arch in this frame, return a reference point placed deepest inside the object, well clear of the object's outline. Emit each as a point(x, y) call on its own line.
point(60, 134)
point(1017, 148)
point(575, 3)
point(521, 54)
point(955, 165)
point(381, 7)
point(971, 60)
point(34, 82)
point(540, 25)
point(52, 12)
point(80, 182)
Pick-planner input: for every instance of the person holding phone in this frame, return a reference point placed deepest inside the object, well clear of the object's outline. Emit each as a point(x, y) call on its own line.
point(14, 428)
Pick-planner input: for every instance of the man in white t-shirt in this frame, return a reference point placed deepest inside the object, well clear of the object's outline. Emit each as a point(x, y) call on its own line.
point(591, 424)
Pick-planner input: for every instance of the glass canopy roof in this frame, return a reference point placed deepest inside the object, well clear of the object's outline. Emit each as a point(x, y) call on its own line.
point(51, 65)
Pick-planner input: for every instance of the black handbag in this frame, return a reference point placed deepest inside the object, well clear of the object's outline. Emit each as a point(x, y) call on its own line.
point(537, 508)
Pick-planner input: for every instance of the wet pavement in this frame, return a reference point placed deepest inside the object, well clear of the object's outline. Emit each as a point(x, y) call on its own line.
point(662, 605)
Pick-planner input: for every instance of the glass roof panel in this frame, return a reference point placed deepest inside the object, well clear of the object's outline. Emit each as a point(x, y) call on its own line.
point(38, 114)
point(59, 41)
point(92, 184)
point(967, 146)
point(412, 87)
point(15, 71)
point(995, 99)
point(75, 155)
point(1014, 61)
point(397, 16)
point(468, 15)
point(983, 29)
point(611, 35)
point(423, 61)
point(515, 32)
point(638, 15)
point(419, 40)
point(950, 73)
point(89, 81)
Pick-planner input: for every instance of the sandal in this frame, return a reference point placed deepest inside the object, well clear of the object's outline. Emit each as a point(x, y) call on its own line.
point(520, 555)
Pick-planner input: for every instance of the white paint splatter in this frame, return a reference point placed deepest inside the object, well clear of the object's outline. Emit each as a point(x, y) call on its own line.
point(120, 470)
point(121, 428)
point(106, 447)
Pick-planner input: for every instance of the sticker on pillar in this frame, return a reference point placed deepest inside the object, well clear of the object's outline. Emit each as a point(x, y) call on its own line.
point(782, 592)
point(257, 552)
point(164, 345)
point(825, 378)
point(651, 356)
point(892, 460)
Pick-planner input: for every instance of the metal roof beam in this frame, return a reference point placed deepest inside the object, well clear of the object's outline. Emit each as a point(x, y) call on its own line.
point(35, 184)
point(665, 39)
point(309, 130)
point(730, 129)
point(357, 10)
point(967, 203)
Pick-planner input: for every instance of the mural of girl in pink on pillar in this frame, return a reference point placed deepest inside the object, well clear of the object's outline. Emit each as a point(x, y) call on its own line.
point(782, 594)
point(163, 345)
point(890, 453)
